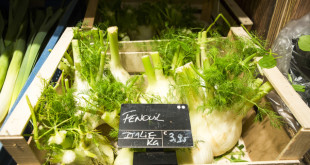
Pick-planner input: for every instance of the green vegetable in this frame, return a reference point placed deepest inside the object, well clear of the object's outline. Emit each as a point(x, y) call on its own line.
point(124, 157)
point(33, 50)
point(117, 70)
point(13, 70)
point(191, 94)
point(304, 43)
point(219, 90)
point(62, 131)
point(220, 95)
point(17, 13)
point(268, 61)
point(299, 88)
point(159, 86)
point(2, 24)
point(4, 62)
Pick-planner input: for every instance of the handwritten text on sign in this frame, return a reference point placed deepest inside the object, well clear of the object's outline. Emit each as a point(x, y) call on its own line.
point(154, 126)
point(131, 117)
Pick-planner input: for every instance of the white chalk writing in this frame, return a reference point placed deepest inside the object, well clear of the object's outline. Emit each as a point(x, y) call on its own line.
point(152, 142)
point(139, 135)
point(133, 118)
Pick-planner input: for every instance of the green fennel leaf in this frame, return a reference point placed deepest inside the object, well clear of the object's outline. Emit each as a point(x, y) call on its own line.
point(299, 88)
point(304, 42)
point(267, 61)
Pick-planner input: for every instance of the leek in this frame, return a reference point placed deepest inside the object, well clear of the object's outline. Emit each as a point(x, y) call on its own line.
point(4, 63)
point(8, 86)
point(33, 50)
point(2, 47)
point(17, 13)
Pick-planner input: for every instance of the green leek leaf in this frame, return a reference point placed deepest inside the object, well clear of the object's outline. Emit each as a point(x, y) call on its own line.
point(299, 88)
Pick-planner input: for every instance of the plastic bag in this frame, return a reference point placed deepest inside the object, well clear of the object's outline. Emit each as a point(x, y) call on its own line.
point(289, 120)
point(294, 64)
point(283, 45)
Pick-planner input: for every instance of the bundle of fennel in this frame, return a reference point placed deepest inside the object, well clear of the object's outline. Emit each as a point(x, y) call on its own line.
point(216, 77)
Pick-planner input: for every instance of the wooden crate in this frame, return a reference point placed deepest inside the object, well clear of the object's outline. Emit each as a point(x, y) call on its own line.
point(51, 38)
point(264, 144)
point(270, 16)
point(207, 8)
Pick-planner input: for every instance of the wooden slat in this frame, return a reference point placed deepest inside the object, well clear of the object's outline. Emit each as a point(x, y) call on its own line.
point(219, 8)
point(270, 16)
point(90, 14)
point(301, 8)
point(39, 154)
point(132, 61)
point(19, 149)
point(283, 11)
point(238, 12)
point(297, 147)
point(260, 12)
point(140, 45)
point(206, 10)
point(21, 114)
point(263, 142)
point(238, 31)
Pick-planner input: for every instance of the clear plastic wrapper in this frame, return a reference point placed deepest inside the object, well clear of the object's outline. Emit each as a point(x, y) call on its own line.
point(283, 45)
point(294, 64)
point(277, 104)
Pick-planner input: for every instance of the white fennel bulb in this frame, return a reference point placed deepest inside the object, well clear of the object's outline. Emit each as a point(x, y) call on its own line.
point(224, 130)
point(117, 70)
point(82, 87)
point(102, 149)
point(93, 120)
point(159, 86)
point(201, 153)
point(124, 157)
point(58, 138)
point(225, 127)
point(68, 156)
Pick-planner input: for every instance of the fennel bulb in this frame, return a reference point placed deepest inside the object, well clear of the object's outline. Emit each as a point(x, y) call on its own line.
point(224, 130)
point(159, 86)
point(124, 157)
point(58, 138)
point(201, 153)
point(68, 156)
point(117, 70)
point(101, 148)
point(92, 120)
point(82, 87)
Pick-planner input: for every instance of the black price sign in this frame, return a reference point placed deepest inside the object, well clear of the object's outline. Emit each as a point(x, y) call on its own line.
point(154, 126)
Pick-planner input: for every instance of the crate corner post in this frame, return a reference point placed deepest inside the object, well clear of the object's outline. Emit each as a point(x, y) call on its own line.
point(20, 150)
point(297, 147)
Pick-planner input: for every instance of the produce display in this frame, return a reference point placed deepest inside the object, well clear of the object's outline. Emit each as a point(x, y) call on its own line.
point(21, 37)
point(76, 119)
